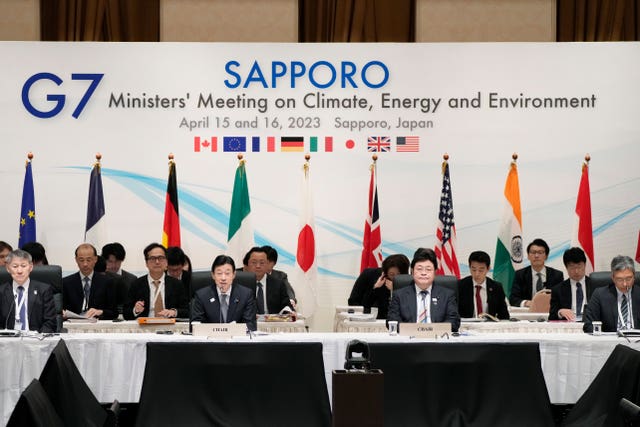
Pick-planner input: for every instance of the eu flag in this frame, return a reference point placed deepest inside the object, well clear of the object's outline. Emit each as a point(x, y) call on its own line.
point(234, 143)
point(27, 231)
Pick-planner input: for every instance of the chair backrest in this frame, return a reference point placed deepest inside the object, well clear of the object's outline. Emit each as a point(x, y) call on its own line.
point(402, 280)
point(34, 409)
point(202, 279)
point(49, 274)
point(541, 302)
point(603, 278)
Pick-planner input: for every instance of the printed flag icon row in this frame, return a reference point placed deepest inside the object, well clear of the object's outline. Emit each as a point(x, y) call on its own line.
point(242, 144)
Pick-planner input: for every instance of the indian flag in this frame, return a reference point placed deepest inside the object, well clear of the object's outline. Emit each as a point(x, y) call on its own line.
point(240, 238)
point(509, 249)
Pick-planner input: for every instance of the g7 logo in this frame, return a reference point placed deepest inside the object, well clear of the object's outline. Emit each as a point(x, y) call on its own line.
point(58, 99)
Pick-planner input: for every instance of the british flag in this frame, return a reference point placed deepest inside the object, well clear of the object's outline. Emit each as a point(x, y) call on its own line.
point(379, 144)
point(372, 238)
point(446, 234)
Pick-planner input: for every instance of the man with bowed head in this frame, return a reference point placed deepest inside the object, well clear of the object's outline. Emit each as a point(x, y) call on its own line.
point(422, 301)
point(224, 302)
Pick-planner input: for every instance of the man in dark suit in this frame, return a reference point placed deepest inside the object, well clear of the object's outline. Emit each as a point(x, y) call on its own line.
point(534, 278)
point(421, 301)
point(479, 294)
point(87, 291)
point(114, 254)
point(272, 260)
point(617, 306)
point(222, 302)
point(156, 294)
point(271, 294)
point(26, 304)
point(568, 298)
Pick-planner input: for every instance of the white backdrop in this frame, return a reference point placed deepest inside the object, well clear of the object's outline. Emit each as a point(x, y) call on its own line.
point(551, 144)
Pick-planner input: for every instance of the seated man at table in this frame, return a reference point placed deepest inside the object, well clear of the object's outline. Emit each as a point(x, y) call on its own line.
point(156, 294)
point(271, 293)
point(422, 301)
point(87, 291)
point(568, 298)
point(373, 286)
point(272, 260)
point(479, 294)
point(26, 304)
point(617, 306)
point(223, 302)
point(535, 277)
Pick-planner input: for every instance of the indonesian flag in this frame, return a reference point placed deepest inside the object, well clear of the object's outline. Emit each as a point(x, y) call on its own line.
point(306, 271)
point(372, 239)
point(638, 249)
point(171, 228)
point(446, 233)
point(240, 238)
point(582, 228)
point(509, 249)
point(95, 227)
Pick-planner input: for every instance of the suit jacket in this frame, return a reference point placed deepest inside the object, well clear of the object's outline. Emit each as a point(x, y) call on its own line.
point(363, 284)
point(496, 302)
point(277, 297)
point(404, 307)
point(128, 278)
point(521, 287)
point(282, 276)
point(41, 309)
point(242, 306)
point(102, 295)
point(561, 297)
point(174, 297)
point(603, 306)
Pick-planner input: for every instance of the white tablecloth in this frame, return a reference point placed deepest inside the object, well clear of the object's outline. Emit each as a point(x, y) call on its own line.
point(379, 326)
point(113, 364)
point(132, 326)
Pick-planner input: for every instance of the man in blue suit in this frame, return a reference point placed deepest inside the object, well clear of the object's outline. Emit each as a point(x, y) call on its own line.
point(222, 302)
point(421, 301)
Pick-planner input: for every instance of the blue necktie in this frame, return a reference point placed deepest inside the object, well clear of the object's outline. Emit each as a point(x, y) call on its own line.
point(87, 288)
point(260, 301)
point(23, 309)
point(579, 299)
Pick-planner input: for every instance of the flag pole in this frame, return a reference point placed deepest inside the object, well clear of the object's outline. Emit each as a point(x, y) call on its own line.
point(29, 158)
point(98, 158)
point(445, 158)
point(241, 160)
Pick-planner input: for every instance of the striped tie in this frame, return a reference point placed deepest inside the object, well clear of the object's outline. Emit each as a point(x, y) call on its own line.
point(422, 318)
point(624, 310)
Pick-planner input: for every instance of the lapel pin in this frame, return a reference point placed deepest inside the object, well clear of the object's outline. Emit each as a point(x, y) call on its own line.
point(212, 299)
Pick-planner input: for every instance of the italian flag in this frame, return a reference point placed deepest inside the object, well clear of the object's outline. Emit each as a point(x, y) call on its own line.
point(240, 238)
point(306, 270)
point(509, 248)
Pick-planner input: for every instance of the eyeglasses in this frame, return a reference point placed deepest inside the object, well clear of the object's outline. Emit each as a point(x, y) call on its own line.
point(157, 258)
point(620, 280)
point(537, 252)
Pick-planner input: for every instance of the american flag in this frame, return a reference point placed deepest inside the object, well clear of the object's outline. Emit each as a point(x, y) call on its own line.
point(377, 144)
point(408, 144)
point(372, 239)
point(446, 234)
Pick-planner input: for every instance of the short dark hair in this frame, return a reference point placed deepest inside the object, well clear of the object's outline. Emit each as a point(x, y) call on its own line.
point(101, 265)
point(272, 254)
point(425, 254)
point(481, 257)
point(151, 247)
point(539, 242)
point(4, 245)
point(38, 254)
point(115, 249)
point(400, 261)
point(222, 260)
point(245, 260)
point(175, 256)
point(574, 255)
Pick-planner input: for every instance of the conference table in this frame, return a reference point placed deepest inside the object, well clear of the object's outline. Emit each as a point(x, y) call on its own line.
point(132, 326)
point(113, 364)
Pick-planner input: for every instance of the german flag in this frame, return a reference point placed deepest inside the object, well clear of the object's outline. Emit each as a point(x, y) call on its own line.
point(171, 228)
point(291, 143)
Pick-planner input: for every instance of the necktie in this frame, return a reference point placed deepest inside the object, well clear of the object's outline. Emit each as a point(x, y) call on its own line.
point(23, 309)
point(87, 289)
point(158, 306)
point(479, 300)
point(579, 299)
point(624, 310)
point(260, 299)
point(422, 318)
point(224, 307)
point(539, 284)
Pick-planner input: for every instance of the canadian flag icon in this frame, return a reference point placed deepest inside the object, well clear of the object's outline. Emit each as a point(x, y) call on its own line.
point(201, 144)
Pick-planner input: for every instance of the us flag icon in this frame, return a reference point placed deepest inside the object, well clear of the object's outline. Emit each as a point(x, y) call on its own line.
point(201, 144)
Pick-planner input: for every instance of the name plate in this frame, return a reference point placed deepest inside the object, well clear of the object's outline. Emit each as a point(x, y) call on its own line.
point(425, 330)
point(219, 330)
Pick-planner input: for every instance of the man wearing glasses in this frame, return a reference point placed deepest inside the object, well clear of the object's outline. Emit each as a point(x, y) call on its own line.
point(617, 306)
point(535, 278)
point(156, 294)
